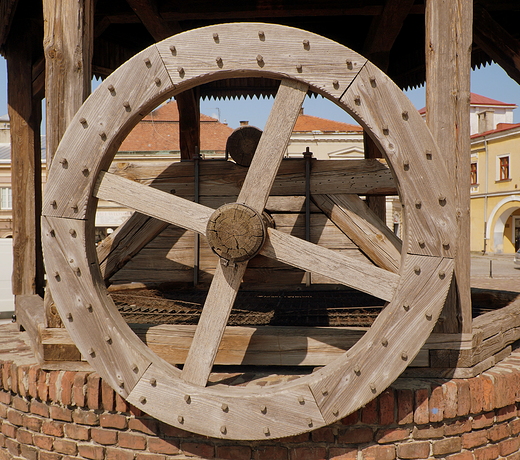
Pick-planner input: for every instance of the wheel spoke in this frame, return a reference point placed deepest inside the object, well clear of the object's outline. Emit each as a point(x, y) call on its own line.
point(152, 202)
point(311, 257)
point(212, 322)
point(272, 145)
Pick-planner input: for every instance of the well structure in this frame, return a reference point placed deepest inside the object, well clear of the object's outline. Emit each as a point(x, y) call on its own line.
point(428, 378)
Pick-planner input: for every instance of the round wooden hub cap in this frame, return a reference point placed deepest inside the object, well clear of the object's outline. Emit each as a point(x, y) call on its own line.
point(236, 232)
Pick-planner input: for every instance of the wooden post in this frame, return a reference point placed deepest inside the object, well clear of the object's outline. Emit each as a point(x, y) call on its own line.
point(25, 116)
point(188, 103)
point(68, 44)
point(376, 203)
point(448, 60)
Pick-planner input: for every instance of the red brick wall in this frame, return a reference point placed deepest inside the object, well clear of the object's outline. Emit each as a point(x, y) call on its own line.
point(53, 415)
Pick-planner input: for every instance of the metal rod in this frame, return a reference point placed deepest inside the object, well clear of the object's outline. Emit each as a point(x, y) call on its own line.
point(308, 157)
point(196, 243)
point(491, 269)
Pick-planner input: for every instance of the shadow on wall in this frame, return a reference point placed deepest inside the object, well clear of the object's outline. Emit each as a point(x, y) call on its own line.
point(6, 269)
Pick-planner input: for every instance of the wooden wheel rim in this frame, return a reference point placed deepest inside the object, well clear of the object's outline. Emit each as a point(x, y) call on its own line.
point(92, 139)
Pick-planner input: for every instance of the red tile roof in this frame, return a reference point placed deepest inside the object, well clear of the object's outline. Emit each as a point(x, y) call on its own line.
point(477, 99)
point(308, 123)
point(159, 131)
point(500, 127)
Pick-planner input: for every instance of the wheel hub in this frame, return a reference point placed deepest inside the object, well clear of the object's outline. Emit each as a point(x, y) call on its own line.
point(236, 232)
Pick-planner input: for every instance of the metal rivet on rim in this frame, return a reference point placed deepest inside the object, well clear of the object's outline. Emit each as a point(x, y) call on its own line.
point(134, 367)
point(349, 65)
point(384, 342)
point(357, 100)
point(417, 269)
point(301, 399)
point(147, 62)
point(263, 409)
point(373, 82)
point(64, 162)
point(52, 233)
point(335, 412)
point(219, 61)
point(306, 44)
point(406, 307)
point(405, 116)
point(357, 370)
point(103, 135)
point(187, 399)
point(153, 382)
point(373, 388)
point(404, 356)
point(173, 49)
point(224, 407)
point(299, 68)
point(83, 121)
point(69, 316)
point(126, 105)
point(72, 232)
point(111, 88)
point(335, 83)
point(180, 419)
point(180, 70)
point(259, 59)
point(215, 36)
point(142, 399)
point(309, 421)
point(266, 431)
point(157, 81)
point(108, 339)
point(261, 34)
point(418, 204)
point(428, 315)
point(91, 352)
point(442, 275)
point(223, 429)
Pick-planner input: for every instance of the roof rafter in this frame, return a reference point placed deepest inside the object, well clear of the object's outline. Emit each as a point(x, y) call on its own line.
point(497, 43)
point(148, 13)
point(384, 30)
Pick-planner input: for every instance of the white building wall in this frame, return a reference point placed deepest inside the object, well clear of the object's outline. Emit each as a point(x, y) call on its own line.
point(6, 270)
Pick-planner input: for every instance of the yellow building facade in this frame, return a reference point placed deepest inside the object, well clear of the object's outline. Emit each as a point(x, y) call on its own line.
point(495, 192)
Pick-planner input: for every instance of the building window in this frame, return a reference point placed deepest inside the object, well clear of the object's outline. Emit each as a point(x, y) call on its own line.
point(6, 198)
point(473, 174)
point(503, 165)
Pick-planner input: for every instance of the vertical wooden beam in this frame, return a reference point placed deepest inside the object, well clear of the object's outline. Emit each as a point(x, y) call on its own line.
point(25, 116)
point(188, 103)
point(376, 203)
point(448, 61)
point(68, 44)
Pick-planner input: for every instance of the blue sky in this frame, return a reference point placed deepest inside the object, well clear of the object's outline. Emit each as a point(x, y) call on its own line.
point(490, 81)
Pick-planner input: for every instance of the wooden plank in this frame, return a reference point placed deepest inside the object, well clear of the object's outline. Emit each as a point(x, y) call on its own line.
point(221, 178)
point(212, 322)
point(126, 241)
point(386, 349)
point(30, 315)
point(375, 202)
point(352, 216)
point(77, 287)
point(428, 200)
point(310, 257)
point(272, 145)
point(104, 119)
point(448, 64)
point(256, 346)
point(152, 202)
point(498, 321)
point(227, 412)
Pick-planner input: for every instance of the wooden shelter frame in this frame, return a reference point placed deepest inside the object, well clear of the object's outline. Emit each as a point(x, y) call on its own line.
point(459, 346)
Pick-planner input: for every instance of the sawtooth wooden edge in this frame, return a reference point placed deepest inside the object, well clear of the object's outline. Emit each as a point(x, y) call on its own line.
point(183, 62)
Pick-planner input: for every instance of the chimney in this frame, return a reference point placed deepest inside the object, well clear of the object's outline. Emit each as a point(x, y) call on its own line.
point(244, 123)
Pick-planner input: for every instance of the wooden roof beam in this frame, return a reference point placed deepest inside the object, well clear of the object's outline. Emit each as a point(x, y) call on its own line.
point(384, 30)
point(148, 13)
point(497, 43)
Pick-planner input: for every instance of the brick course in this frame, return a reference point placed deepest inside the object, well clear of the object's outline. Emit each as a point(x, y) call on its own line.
point(64, 415)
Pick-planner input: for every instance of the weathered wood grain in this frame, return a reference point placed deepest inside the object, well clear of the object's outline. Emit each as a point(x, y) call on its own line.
point(152, 202)
point(363, 227)
point(449, 36)
point(313, 258)
point(212, 322)
point(221, 178)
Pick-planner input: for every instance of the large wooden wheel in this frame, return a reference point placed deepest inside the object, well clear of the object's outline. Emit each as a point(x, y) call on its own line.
point(302, 61)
